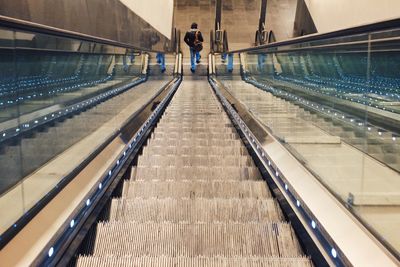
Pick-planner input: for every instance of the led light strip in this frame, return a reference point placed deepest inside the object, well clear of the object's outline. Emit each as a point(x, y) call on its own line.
point(52, 92)
point(26, 126)
point(317, 88)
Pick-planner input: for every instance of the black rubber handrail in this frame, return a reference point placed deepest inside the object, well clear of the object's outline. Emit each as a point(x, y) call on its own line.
point(271, 37)
point(379, 26)
point(225, 46)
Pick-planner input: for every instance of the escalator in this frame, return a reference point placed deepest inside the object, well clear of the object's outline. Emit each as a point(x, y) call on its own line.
point(195, 198)
point(222, 167)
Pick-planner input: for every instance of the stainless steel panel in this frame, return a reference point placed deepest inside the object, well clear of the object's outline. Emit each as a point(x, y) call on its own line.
point(108, 19)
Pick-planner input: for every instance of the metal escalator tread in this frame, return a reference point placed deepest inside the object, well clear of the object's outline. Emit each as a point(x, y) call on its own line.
point(196, 239)
point(195, 210)
point(196, 188)
point(195, 198)
point(197, 173)
point(163, 261)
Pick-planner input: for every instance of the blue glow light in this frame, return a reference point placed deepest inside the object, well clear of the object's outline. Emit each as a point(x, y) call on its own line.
point(313, 224)
point(333, 252)
point(51, 252)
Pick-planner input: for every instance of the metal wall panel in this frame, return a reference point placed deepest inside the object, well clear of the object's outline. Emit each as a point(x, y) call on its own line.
point(108, 19)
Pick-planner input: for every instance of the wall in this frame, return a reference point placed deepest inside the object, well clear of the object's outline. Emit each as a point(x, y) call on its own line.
point(303, 23)
point(101, 18)
point(330, 15)
point(239, 18)
point(157, 13)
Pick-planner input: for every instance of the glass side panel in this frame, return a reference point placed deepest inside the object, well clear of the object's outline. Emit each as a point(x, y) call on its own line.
point(335, 105)
point(60, 99)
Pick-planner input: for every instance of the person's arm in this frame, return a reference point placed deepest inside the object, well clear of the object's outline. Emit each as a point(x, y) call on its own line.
point(200, 37)
point(186, 39)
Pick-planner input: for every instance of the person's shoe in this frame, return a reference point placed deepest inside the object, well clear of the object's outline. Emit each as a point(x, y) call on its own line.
point(192, 70)
point(198, 61)
point(163, 70)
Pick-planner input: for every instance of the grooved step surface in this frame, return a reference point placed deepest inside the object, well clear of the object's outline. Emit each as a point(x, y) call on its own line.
point(195, 210)
point(195, 161)
point(196, 239)
point(197, 173)
point(163, 261)
point(195, 142)
point(198, 188)
point(194, 150)
point(192, 135)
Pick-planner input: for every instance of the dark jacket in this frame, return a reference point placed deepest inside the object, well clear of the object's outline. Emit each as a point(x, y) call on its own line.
point(190, 36)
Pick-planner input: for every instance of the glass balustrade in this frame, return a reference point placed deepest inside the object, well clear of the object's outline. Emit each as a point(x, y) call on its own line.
point(60, 99)
point(335, 105)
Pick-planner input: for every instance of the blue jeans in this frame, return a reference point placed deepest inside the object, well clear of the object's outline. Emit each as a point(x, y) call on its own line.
point(194, 56)
point(230, 62)
point(261, 61)
point(161, 60)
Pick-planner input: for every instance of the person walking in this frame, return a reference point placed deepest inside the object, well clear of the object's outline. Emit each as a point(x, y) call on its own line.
point(194, 39)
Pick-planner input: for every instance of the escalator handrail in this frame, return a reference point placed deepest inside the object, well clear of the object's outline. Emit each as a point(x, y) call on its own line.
point(225, 46)
point(379, 26)
point(271, 37)
point(24, 25)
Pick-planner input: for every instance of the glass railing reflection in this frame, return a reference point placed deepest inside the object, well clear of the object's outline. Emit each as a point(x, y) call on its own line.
point(53, 94)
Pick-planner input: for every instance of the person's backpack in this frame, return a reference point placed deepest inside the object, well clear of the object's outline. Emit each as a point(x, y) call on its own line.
point(197, 45)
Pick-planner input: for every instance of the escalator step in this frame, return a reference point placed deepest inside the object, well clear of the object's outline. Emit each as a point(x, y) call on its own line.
point(196, 239)
point(197, 173)
point(199, 188)
point(195, 160)
point(194, 150)
point(164, 261)
point(195, 210)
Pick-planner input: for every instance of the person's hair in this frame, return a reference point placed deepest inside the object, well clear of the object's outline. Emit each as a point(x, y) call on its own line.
point(194, 25)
